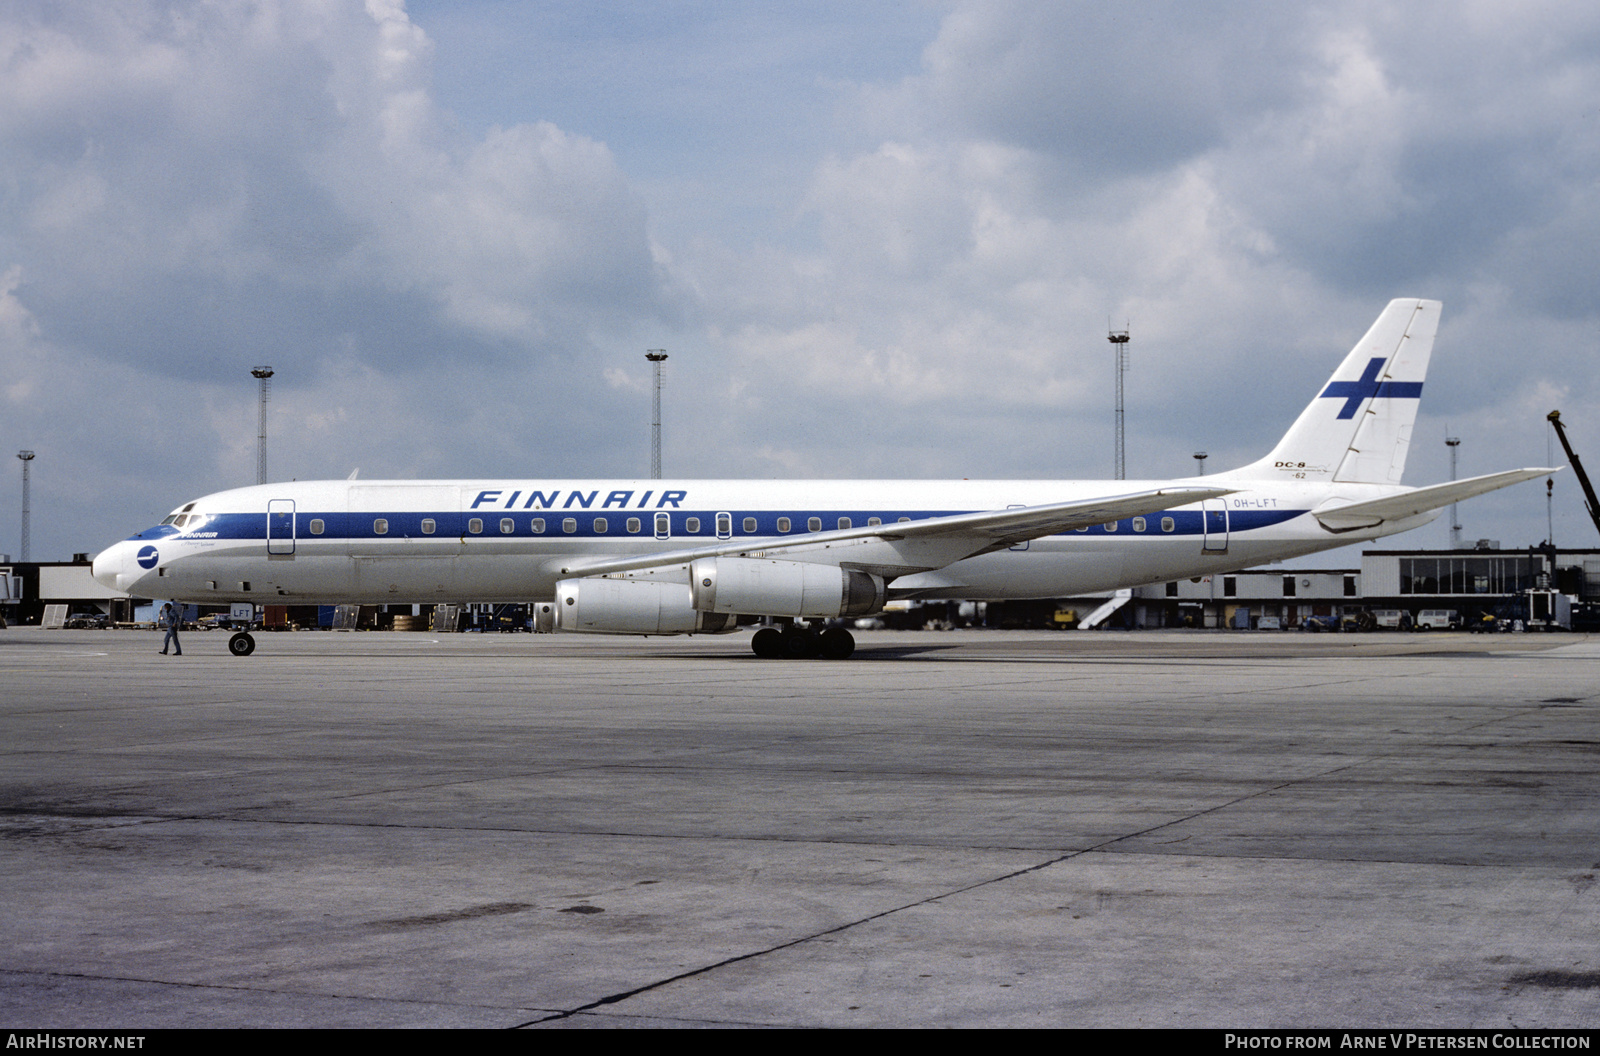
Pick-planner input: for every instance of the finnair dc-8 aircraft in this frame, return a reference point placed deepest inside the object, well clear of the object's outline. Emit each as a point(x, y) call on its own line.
point(690, 556)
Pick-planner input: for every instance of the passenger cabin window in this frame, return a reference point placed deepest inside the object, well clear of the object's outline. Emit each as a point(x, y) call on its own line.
point(507, 526)
point(429, 526)
point(380, 526)
point(724, 525)
point(537, 525)
point(844, 522)
point(1166, 524)
point(633, 524)
point(1138, 524)
point(692, 524)
point(475, 525)
point(316, 526)
point(783, 524)
point(814, 524)
point(873, 522)
point(569, 524)
point(601, 525)
point(749, 525)
point(1111, 526)
point(902, 520)
point(663, 525)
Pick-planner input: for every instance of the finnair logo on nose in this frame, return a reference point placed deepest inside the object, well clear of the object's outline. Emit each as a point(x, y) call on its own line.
point(148, 557)
point(1355, 393)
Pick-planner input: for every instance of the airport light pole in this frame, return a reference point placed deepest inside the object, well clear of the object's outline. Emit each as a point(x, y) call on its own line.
point(656, 356)
point(1453, 442)
point(1119, 345)
point(26, 456)
point(1200, 460)
point(264, 375)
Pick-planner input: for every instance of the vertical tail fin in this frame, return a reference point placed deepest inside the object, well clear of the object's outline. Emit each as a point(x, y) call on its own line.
point(1358, 428)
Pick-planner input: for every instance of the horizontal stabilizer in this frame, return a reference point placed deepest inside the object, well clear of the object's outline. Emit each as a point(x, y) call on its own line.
point(1353, 516)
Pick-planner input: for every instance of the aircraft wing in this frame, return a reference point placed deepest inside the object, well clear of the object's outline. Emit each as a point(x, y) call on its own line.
point(1352, 516)
point(918, 546)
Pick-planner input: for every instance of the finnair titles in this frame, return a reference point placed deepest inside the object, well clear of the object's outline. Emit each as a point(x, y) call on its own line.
point(710, 556)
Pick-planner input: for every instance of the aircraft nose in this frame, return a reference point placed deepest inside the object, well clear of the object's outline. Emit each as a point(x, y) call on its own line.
point(117, 566)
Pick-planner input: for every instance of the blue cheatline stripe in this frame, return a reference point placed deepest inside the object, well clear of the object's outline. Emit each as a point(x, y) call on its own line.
point(453, 525)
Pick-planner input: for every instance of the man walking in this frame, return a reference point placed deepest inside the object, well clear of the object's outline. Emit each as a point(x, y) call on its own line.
point(171, 619)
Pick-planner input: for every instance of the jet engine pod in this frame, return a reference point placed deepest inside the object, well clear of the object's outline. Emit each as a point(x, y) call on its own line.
point(783, 588)
point(632, 606)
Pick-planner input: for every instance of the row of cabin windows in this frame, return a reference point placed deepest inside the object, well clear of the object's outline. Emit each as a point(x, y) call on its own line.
point(1139, 525)
point(691, 525)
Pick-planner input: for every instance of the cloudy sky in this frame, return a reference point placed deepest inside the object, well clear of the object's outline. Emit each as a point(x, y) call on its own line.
point(877, 240)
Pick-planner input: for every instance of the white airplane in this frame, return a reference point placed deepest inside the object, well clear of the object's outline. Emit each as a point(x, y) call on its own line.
point(690, 556)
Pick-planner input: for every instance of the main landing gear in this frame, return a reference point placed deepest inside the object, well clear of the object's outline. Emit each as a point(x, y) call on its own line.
point(241, 644)
point(793, 642)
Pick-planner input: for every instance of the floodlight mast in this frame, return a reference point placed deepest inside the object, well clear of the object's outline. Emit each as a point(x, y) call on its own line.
point(1119, 345)
point(27, 457)
point(1453, 442)
point(656, 356)
point(264, 375)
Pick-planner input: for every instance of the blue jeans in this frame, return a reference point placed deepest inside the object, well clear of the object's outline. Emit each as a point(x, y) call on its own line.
point(172, 640)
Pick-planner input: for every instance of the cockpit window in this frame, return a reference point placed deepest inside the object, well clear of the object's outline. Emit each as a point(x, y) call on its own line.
point(170, 518)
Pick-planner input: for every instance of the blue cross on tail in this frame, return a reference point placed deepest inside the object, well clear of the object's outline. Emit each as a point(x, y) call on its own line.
point(1354, 393)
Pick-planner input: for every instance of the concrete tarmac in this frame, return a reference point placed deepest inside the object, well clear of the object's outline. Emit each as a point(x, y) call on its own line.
point(973, 828)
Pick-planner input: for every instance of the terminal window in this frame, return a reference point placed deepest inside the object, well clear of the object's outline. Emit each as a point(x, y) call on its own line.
point(1468, 575)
